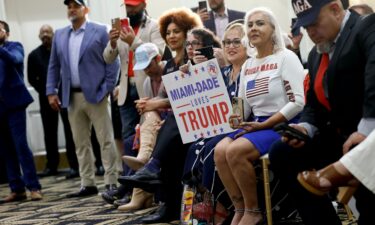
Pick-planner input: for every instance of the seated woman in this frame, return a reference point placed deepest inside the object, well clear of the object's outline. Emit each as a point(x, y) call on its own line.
point(153, 67)
point(271, 85)
point(200, 156)
point(166, 163)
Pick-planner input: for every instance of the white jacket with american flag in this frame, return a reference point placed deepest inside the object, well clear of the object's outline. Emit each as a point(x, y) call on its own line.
point(272, 84)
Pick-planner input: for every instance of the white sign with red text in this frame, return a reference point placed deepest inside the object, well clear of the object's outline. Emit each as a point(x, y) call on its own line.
point(200, 101)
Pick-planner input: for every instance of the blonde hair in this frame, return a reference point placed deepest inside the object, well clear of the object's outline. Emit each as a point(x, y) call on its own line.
point(235, 26)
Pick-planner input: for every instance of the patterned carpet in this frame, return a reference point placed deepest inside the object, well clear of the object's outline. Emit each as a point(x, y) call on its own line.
point(55, 209)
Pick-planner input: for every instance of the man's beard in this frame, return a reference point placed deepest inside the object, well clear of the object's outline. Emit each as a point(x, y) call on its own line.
point(46, 41)
point(73, 18)
point(324, 47)
point(136, 19)
point(217, 7)
point(2, 40)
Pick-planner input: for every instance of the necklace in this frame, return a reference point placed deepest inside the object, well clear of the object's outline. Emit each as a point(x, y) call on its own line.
point(232, 74)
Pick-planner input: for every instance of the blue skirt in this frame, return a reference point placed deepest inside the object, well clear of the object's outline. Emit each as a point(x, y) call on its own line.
point(261, 139)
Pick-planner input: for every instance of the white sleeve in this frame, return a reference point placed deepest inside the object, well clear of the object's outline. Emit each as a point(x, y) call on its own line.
point(242, 92)
point(293, 75)
point(110, 54)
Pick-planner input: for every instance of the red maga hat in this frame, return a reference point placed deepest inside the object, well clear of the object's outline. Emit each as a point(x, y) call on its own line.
point(134, 2)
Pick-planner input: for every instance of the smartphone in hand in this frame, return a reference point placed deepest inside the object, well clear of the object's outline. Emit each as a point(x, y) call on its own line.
point(237, 106)
point(285, 130)
point(208, 52)
point(202, 5)
point(116, 24)
point(125, 23)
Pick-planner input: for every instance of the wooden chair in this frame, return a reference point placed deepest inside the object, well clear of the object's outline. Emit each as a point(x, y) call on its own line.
point(343, 197)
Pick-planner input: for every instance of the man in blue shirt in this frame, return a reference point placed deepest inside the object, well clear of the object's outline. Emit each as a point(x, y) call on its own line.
point(86, 80)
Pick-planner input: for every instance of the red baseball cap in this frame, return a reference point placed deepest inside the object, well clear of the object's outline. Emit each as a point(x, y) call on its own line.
point(134, 2)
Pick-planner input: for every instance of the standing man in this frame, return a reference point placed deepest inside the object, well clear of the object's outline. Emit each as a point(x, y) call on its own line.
point(123, 43)
point(340, 104)
point(37, 67)
point(14, 98)
point(77, 62)
point(218, 17)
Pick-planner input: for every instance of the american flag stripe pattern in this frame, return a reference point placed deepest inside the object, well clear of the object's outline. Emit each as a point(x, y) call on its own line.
point(257, 87)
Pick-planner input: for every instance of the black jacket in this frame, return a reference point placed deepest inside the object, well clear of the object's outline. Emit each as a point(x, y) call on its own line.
point(350, 79)
point(37, 67)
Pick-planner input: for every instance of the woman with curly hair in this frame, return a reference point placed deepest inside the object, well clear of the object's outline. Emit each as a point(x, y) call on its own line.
point(174, 26)
point(166, 165)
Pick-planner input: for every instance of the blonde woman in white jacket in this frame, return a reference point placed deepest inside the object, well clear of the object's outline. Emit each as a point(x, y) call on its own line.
point(272, 89)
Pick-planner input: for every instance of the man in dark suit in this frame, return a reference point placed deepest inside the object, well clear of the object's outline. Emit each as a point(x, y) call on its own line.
point(37, 66)
point(340, 105)
point(14, 98)
point(218, 17)
point(86, 80)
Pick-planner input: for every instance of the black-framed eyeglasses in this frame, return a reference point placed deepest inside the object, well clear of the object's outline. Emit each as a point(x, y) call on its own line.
point(235, 42)
point(194, 43)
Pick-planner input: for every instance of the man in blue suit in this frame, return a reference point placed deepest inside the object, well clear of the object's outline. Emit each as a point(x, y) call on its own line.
point(14, 98)
point(77, 62)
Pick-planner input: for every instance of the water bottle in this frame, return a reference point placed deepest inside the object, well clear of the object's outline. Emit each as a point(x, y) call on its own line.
point(187, 205)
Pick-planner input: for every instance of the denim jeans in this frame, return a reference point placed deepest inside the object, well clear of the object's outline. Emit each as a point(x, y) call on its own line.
point(14, 147)
point(129, 114)
point(128, 150)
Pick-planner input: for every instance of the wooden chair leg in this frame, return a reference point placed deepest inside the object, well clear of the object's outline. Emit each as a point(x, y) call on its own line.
point(267, 190)
point(343, 197)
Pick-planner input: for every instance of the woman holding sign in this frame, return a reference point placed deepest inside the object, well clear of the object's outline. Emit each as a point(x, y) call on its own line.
point(272, 88)
point(200, 156)
point(169, 151)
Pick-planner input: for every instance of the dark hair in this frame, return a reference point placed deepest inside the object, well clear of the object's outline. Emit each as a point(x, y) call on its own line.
point(6, 26)
point(206, 37)
point(184, 18)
